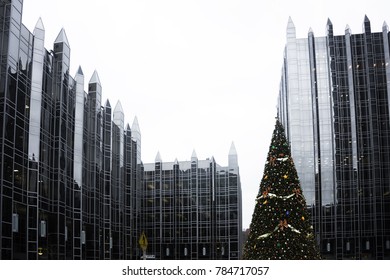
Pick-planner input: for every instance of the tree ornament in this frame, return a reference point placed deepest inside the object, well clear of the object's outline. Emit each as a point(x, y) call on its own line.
point(283, 159)
point(272, 161)
point(283, 224)
point(265, 193)
point(297, 191)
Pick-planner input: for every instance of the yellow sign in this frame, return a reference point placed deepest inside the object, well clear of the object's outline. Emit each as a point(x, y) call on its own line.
point(143, 242)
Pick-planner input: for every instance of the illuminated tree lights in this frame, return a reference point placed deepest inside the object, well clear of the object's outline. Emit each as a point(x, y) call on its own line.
point(280, 227)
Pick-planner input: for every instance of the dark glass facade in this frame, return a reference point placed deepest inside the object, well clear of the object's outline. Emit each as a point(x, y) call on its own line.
point(70, 170)
point(192, 209)
point(71, 176)
point(334, 103)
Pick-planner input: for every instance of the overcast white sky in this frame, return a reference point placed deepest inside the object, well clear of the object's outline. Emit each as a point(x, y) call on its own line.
point(197, 74)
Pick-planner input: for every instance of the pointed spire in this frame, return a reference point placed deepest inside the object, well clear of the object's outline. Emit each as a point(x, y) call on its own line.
point(119, 116)
point(176, 161)
point(61, 38)
point(290, 23)
point(158, 157)
point(366, 25)
point(135, 125)
point(108, 105)
point(329, 28)
point(291, 29)
point(39, 30)
point(233, 159)
point(79, 78)
point(347, 29)
point(232, 151)
point(95, 78)
point(39, 25)
point(118, 107)
point(128, 127)
point(385, 27)
point(80, 71)
point(194, 156)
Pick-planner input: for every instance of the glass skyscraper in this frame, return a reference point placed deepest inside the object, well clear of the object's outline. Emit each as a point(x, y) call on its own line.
point(72, 183)
point(192, 209)
point(334, 103)
point(70, 170)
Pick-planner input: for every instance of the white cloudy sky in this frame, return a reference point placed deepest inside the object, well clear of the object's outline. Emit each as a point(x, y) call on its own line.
point(197, 74)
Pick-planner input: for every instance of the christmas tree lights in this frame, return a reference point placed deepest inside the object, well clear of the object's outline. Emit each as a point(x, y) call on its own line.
point(280, 227)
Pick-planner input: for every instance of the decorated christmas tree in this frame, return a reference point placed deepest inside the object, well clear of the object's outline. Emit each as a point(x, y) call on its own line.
point(280, 227)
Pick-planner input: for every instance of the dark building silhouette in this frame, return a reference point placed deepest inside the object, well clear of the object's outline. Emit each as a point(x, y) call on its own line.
point(192, 209)
point(334, 104)
point(71, 177)
point(70, 171)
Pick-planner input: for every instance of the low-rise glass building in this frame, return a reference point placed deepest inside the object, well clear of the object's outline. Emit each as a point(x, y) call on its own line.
point(192, 209)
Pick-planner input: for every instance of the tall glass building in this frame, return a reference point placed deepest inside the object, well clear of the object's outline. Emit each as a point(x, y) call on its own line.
point(70, 169)
point(71, 177)
point(334, 103)
point(192, 209)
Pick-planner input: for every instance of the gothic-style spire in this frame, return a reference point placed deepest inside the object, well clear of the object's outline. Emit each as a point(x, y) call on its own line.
point(39, 25)
point(95, 78)
point(80, 71)
point(118, 107)
point(329, 28)
point(233, 162)
point(347, 29)
point(194, 156)
point(385, 27)
point(135, 125)
point(291, 33)
point(158, 157)
point(61, 38)
point(366, 25)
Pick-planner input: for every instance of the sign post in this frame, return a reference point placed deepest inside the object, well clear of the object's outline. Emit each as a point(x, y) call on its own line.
point(143, 243)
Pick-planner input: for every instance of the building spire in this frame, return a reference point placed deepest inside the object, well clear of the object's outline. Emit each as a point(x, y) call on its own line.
point(385, 27)
point(95, 78)
point(194, 156)
point(135, 125)
point(118, 107)
point(233, 160)
point(62, 38)
point(366, 25)
point(347, 30)
point(158, 157)
point(329, 28)
point(232, 151)
point(291, 33)
point(39, 25)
